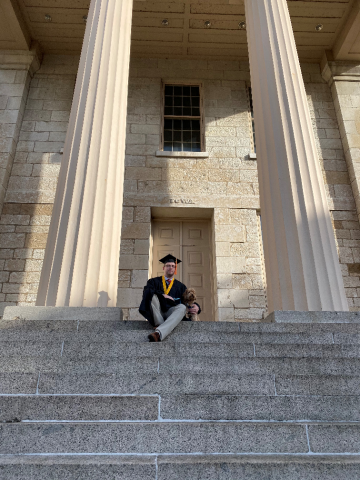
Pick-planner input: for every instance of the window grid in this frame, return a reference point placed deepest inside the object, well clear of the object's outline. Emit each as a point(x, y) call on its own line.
point(182, 118)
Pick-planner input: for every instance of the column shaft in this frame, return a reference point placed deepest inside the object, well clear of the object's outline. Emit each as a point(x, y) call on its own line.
point(302, 266)
point(82, 254)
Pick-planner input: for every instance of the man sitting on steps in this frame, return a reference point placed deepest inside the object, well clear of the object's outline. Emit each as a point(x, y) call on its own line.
point(162, 301)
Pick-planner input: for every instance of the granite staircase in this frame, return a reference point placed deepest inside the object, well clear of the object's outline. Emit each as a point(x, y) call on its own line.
point(85, 396)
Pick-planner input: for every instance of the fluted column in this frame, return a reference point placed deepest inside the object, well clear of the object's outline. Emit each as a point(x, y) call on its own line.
point(301, 260)
point(82, 254)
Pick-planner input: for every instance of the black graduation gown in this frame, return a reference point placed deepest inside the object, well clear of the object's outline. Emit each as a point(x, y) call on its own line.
point(154, 286)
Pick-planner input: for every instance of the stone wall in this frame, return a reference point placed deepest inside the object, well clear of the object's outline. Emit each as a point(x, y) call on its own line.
point(14, 87)
point(225, 181)
point(31, 188)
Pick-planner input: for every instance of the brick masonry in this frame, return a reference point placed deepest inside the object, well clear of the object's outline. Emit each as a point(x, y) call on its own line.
point(226, 182)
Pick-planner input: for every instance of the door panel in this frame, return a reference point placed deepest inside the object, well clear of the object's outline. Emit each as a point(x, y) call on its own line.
point(189, 241)
point(166, 237)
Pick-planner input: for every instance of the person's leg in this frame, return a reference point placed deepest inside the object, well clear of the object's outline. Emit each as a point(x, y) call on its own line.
point(173, 317)
point(156, 311)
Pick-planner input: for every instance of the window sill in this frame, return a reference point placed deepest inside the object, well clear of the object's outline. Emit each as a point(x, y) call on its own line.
point(252, 156)
point(161, 153)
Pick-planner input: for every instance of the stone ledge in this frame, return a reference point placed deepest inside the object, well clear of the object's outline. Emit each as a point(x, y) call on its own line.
point(63, 313)
point(161, 153)
point(312, 317)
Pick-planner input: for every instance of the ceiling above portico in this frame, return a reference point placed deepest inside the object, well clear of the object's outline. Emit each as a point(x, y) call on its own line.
point(183, 28)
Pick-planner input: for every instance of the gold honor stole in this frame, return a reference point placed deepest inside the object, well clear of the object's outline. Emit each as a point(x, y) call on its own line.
point(167, 290)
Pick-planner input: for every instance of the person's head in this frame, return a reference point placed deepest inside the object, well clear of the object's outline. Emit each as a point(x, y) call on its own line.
point(169, 269)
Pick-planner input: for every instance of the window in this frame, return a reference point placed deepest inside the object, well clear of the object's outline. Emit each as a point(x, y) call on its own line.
point(182, 130)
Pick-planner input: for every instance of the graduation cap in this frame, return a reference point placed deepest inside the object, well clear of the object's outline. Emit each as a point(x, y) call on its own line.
point(170, 258)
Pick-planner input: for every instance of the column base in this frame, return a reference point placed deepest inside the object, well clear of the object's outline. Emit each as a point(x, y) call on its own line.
point(63, 313)
point(313, 317)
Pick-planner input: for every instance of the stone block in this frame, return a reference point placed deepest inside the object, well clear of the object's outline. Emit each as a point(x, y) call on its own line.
point(134, 262)
point(224, 280)
point(227, 265)
point(63, 313)
point(142, 247)
point(163, 438)
point(14, 265)
point(222, 249)
point(12, 240)
point(313, 317)
point(129, 297)
point(233, 298)
point(36, 408)
point(124, 278)
point(139, 278)
point(229, 233)
point(226, 314)
point(36, 240)
point(334, 438)
point(142, 214)
point(136, 230)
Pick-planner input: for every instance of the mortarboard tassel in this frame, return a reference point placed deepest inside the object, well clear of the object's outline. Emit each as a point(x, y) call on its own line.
point(176, 267)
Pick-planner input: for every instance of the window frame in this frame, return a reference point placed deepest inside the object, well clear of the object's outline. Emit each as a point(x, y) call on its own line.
point(177, 117)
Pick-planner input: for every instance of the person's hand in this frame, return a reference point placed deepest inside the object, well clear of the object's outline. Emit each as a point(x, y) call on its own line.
point(193, 309)
point(168, 296)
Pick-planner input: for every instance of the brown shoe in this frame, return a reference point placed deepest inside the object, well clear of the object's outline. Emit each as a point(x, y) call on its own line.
point(154, 337)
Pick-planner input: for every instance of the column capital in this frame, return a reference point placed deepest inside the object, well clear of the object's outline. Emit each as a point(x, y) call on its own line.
point(339, 70)
point(29, 60)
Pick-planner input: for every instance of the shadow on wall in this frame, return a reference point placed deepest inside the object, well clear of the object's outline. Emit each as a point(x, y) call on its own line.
point(103, 299)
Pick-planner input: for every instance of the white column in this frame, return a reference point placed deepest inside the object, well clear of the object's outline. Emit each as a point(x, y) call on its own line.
point(301, 260)
point(82, 254)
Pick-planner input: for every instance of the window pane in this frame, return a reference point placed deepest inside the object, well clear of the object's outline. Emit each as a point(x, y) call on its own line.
point(169, 90)
point(195, 101)
point(177, 124)
point(186, 91)
point(195, 137)
point(177, 147)
point(195, 112)
point(187, 112)
point(178, 111)
point(178, 90)
point(186, 101)
point(195, 125)
point(167, 135)
point(186, 124)
point(168, 147)
point(168, 101)
point(169, 111)
point(187, 147)
point(196, 147)
point(178, 101)
point(177, 135)
point(186, 136)
point(195, 91)
point(168, 124)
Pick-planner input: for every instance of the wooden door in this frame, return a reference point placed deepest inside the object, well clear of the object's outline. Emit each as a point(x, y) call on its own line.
point(189, 241)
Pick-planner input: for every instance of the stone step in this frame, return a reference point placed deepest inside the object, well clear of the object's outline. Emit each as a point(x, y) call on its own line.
point(108, 384)
point(185, 467)
point(224, 327)
point(77, 349)
point(181, 365)
point(134, 336)
point(179, 437)
point(15, 408)
point(95, 383)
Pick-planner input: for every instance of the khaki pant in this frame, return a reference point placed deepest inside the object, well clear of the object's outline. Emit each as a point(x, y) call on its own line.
point(165, 322)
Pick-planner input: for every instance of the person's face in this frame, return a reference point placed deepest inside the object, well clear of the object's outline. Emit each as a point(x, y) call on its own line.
point(169, 269)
